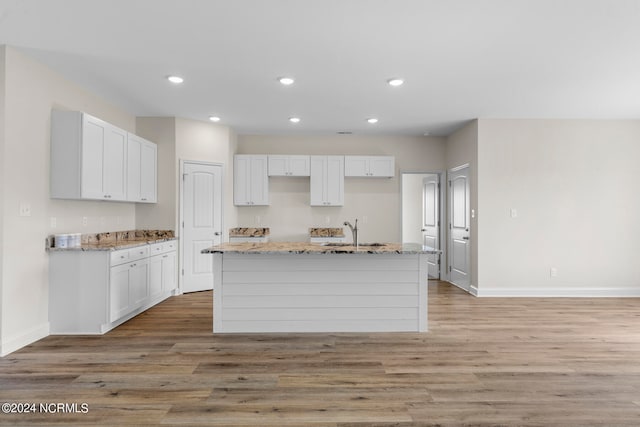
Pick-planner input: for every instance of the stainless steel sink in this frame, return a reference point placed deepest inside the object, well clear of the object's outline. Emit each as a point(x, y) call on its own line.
point(335, 244)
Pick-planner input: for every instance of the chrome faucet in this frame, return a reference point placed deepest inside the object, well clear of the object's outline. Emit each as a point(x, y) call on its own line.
point(354, 232)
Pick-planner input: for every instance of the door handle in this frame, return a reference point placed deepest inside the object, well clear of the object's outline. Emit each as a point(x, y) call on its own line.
point(424, 229)
point(466, 237)
point(217, 233)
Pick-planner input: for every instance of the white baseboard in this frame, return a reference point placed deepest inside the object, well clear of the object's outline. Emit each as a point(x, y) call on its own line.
point(557, 292)
point(28, 337)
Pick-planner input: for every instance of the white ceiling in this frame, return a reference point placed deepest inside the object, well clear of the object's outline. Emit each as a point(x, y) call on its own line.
point(461, 59)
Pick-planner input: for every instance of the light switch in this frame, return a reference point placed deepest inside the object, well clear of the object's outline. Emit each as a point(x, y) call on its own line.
point(327, 219)
point(553, 272)
point(54, 222)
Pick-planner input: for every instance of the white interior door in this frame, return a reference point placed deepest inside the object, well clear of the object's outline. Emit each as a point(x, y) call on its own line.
point(459, 211)
point(201, 223)
point(431, 221)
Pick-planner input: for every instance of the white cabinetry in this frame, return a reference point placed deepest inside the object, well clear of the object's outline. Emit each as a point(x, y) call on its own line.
point(88, 158)
point(141, 170)
point(250, 180)
point(92, 292)
point(288, 165)
point(327, 181)
point(369, 166)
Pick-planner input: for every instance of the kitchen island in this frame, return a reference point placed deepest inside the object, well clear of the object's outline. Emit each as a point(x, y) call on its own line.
point(304, 287)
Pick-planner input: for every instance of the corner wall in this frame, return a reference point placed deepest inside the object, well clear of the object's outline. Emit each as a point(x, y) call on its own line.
point(376, 202)
point(31, 92)
point(575, 186)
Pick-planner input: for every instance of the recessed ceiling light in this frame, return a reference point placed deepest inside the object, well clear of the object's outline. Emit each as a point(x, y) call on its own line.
point(214, 118)
point(372, 120)
point(294, 119)
point(175, 79)
point(395, 82)
point(286, 80)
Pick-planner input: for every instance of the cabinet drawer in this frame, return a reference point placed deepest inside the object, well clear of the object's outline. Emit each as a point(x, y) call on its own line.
point(161, 248)
point(138, 253)
point(119, 257)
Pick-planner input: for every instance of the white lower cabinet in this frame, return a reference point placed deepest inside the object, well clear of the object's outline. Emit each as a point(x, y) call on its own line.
point(92, 292)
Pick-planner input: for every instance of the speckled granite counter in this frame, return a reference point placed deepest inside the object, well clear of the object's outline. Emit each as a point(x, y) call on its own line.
point(249, 232)
point(326, 232)
point(310, 248)
point(116, 240)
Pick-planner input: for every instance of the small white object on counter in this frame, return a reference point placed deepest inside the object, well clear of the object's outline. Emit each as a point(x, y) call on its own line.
point(72, 240)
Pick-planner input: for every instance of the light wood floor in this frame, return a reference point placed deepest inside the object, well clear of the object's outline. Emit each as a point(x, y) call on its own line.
point(484, 362)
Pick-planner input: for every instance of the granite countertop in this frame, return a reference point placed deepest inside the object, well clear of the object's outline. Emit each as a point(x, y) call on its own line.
point(249, 232)
point(311, 248)
point(115, 240)
point(326, 232)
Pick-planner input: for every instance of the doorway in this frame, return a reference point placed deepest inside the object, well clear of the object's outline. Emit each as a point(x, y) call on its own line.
point(201, 222)
point(459, 228)
point(422, 209)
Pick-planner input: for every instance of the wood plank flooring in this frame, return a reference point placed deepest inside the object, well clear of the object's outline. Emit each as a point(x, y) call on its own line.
point(484, 362)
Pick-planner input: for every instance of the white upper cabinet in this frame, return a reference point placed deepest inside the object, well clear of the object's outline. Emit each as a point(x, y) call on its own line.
point(141, 170)
point(327, 181)
point(369, 166)
point(89, 159)
point(280, 165)
point(250, 180)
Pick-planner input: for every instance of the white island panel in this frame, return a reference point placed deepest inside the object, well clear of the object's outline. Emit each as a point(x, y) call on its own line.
point(320, 292)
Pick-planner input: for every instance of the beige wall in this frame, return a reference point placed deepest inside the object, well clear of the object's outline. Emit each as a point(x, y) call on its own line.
point(575, 185)
point(32, 90)
point(462, 148)
point(208, 142)
point(162, 215)
point(375, 202)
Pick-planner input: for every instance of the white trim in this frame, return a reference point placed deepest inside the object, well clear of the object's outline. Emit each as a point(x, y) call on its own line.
point(545, 292)
point(473, 291)
point(181, 212)
point(24, 339)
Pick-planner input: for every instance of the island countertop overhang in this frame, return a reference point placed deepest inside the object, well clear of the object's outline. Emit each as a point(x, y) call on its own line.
point(314, 248)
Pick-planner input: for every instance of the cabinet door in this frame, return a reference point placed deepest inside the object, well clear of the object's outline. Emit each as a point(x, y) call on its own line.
point(335, 181)
point(155, 276)
point(299, 166)
point(382, 166)
point(139, 283)
point(92, 172)
point(317, 184)
point(115, 162)
point(169, 272)
point(241, 180)
point(259, 181)
point(119, 283)
point(148, 172)
point(278, 165)
point(134, 147)
point(356, 166)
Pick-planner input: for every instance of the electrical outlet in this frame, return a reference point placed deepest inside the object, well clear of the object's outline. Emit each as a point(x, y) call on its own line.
point(54, 222)
point(85, 221)
point(327, 219)
point(553, 272)
point(25, 209)
point(257, 219)
point(514, 213)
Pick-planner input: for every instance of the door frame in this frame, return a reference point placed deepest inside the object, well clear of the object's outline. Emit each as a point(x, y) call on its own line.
point(180, 224)
point(443, 235)
point(448, 234)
